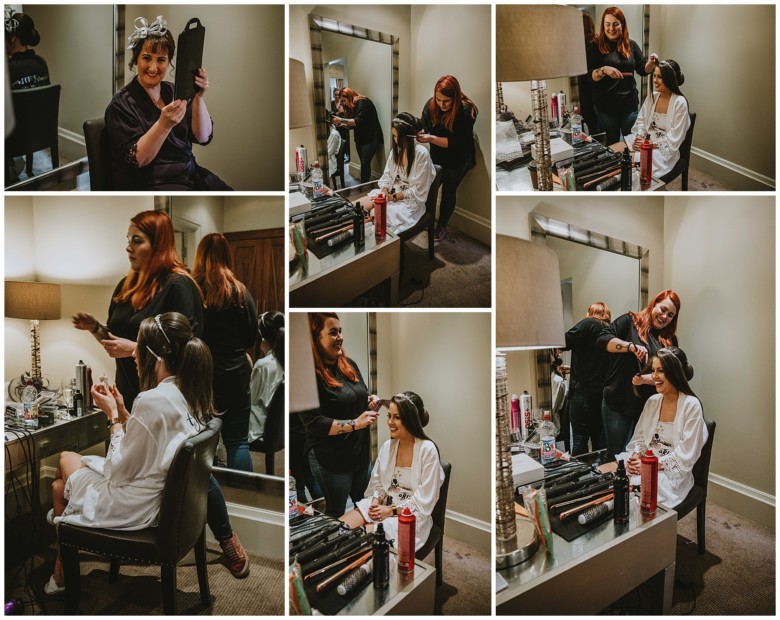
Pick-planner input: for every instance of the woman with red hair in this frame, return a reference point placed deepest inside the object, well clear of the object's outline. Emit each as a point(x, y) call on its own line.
point(158, 282)
point(363, 118)
point(613, 58)
point(630, 339)
point(448, 118)
point(338, 442)
point(230, 328)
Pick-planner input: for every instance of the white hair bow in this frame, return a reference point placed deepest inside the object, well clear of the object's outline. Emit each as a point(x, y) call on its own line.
point(157, 28)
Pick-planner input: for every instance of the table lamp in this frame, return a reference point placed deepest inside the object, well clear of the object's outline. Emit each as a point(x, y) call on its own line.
point(35, 301)
point(300, 111)
point(303, 382)
point(529, 315)
point(538, 43)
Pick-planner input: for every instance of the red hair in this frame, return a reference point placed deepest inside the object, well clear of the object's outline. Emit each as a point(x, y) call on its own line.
point(600, 310)
point(140, 287)
point(213, 271)
point(643, 319)
point(449, 86)
point(352, 96)
point(316, 325)
point(623, 44)
point(589, 27)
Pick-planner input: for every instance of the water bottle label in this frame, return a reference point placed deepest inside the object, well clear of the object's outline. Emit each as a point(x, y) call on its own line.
point(576, 133)
point(317, 188)
point(548, 448)
point(292, 508)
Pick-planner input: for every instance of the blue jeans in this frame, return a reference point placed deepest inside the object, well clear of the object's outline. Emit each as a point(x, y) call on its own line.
point(619, 429)
point(231, 396)
point(586, 422)
point(450, 180)
point(337, 486)
point(216, 512)
point(617, 121)
point(366, 153)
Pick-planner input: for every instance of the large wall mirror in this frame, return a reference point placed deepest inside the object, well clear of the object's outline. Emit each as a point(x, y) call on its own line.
point(594, 267)
point(365, 60)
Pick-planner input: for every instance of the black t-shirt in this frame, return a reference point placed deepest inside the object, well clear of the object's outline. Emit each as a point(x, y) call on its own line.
point(178, 294)
point(349, 451)
point(589, 358)
point(229, 332)
point(460, 149)
point(618, 389)
point(367, 127)
point(27, 70)
point(609, 90)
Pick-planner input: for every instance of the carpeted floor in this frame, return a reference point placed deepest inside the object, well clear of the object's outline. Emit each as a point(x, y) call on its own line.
point(466, 588)
point(137, 592)
point(698, 182)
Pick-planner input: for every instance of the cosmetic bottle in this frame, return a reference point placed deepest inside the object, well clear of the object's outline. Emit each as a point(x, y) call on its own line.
point(407, 526)
point(359, 227)
point(380, 217)
point(646, 163)
point(381, 558)
point(621, 495)
point(526, 407)
point(515, 419)
point(78, 404)
point(648, 500)
point(81, 377)
point(626, 170)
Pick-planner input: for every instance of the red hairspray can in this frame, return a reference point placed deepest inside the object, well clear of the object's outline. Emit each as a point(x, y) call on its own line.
point(648, 500)
point(380, 217)
point(407, 526)
point(646, 163)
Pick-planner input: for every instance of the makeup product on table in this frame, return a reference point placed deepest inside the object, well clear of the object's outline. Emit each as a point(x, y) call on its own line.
point(380, 217)
point(526, 406)
point(78, 404)
point(626, 168)
point(407, 526)
point(515, 418)
point(358, 224)
point(648, 500)
point(646, 163)
point(381, 559)
point(621, 495)
point(301, 158)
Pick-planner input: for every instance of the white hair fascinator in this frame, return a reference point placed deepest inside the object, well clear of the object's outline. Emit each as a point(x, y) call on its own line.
point(157, 28)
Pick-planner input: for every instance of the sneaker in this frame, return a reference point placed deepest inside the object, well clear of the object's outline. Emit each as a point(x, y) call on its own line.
point(235, 556)
point(440, 234)
point(51, 588)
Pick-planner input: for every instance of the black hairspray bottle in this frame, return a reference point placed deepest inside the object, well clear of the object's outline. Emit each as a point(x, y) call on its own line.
point(381, 558)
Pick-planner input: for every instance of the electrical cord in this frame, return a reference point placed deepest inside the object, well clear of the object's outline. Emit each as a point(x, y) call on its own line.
point(419, 283)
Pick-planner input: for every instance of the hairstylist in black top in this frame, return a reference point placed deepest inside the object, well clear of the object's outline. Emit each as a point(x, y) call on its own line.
point(612, 60)
point(364, 120)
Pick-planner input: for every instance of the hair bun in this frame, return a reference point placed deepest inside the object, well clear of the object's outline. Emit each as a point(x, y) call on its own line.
point(424, 418)
point(688, 371)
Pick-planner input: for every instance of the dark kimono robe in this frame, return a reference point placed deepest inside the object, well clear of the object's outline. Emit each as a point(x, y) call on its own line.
point(129, 116)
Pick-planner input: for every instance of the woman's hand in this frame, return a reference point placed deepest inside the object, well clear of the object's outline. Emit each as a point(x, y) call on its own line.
point(120, 403)
point(172, 114)
point(336, 121)
point(380, 513)
point(118, 347)
point(612, 72)
point(84, 320)
point(202, 82)
point(653, 58)
point(642, 380)
point(424, 138)
point(105, 401)
point(638, 350)
point(365, 419)
point(373, 402)
point(634, 465)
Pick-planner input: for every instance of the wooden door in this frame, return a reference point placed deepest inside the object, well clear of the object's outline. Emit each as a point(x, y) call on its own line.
point(258, 261)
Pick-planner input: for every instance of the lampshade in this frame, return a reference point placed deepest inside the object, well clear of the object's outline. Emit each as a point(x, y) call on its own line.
point(529, 308)
point(538, 42)
point(302, 381)
point(32, 300)
point(300, 111)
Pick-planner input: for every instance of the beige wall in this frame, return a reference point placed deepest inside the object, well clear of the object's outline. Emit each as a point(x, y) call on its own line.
point(244, 58)
point(453, 376)
point(728, 88)
point(253, 213)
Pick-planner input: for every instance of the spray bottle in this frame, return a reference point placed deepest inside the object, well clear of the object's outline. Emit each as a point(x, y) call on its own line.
point(407, 526)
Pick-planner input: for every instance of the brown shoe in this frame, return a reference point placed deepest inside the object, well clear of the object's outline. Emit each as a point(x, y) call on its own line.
point(235, 557)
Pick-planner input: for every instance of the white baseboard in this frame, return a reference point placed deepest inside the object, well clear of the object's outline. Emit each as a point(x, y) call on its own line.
point(469, 530)
point(260, 531)
point(72, 145)
point(742, 499)
point(473, 225)
point(735, 176)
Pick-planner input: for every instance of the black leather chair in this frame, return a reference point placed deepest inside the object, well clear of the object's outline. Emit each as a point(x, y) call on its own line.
point(273, 435)
point(36, 114)
point(681, 167)
point(426, 221)
point(436, 537)
point(697, 497)
point(98, 155)
point(339, 172)
point(182, 523)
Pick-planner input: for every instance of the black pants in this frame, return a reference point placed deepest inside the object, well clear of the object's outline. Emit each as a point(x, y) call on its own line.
point(586, 421)
point(231, 397)
point(450, 180)
point(618, 118)
point(366, 153)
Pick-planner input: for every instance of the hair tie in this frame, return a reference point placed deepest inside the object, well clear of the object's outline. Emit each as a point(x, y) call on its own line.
point(158, 28)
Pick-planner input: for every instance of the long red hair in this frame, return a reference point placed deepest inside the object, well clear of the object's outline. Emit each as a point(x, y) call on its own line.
point(589, 27)
point(449, 86)
point(213, 271)
point(140, 287)
point(643, 319)
point(316, 325)
point(351, 97)
point(623, 44)
point(599, 310)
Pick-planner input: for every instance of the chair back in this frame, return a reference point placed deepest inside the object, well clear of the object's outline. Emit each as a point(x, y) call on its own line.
point(273, 434)
point(183, 507)
point(98, 155)
point(685, 147)
point(433, 193)
point(36, 113)
point(440, 509)
point(701, 470)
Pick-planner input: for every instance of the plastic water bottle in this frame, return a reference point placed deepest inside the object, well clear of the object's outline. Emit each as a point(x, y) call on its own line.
point(292, 496)
point(576, 126)
point(547, 437)
point(318, 187)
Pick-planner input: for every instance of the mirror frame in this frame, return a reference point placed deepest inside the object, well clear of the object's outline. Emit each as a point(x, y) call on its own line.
point(317, 24)
point(542, 227)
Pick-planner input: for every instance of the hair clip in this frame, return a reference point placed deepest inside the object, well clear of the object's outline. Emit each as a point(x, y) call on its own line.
point(158, 28)
point(159, 324)
point(159, 359)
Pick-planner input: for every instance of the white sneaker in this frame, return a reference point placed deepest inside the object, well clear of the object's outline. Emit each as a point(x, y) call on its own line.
point(51, 588)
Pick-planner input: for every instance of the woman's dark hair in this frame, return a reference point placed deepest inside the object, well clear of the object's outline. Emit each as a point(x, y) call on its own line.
point(412, 412)
point(21, 26)
point(187, 357)
point(671, 75)
point(316, 325)
point(677, 369)
point(270, 326)
point(408, 126)
point(158, 43)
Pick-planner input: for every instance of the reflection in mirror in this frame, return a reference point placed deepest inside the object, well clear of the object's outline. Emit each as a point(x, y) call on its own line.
point(369, 66)
point(593, 267)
